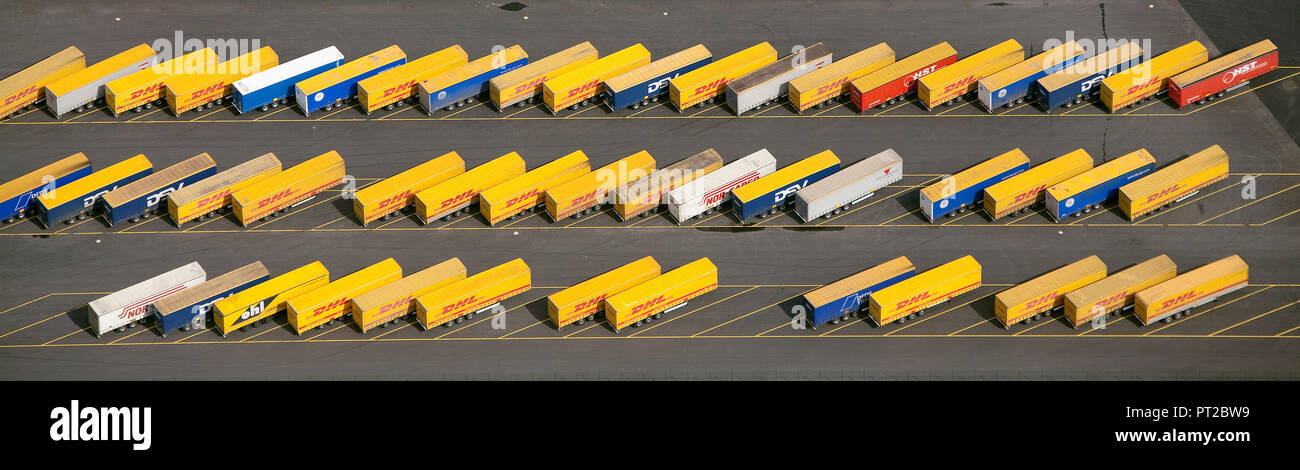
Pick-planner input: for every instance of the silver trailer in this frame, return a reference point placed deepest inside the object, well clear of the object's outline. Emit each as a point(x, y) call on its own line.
point(126, 308)
point(848, 186)
point(85, 94)
point(771, 82)
point(699, 197)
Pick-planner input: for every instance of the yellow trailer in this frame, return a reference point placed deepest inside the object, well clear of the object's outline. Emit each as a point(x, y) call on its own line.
point(642, 196)
point(520, 86)
point(525, 192)
point(587, 193)
point(387, 197)
point(910, 297)
point(144, 89)
point(1173, 183)
point(1115, 292)
point(388, 304)
point(459, 301)
point(1038, 297)
point(584, 300)
point(23, 89)
point(651, 299)
point(946, 85)
point(1150, 78)
point(254, 306)
point(1021, 192)
point(211, 196)
point(326, 304)
point(390, 87)
point(1178, 296)
point(217, 85)
point(582, 85)
point(832, 81)
point(283, 190)
point(710, 81)
point(455, 196)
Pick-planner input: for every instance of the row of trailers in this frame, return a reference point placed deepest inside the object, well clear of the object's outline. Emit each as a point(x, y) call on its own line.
point(1000, 76)
point(635, 294)
point(379, 295)
point(502, 189)
point(1153, 290)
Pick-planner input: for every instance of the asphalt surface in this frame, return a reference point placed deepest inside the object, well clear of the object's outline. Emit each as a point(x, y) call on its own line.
point(743, 329)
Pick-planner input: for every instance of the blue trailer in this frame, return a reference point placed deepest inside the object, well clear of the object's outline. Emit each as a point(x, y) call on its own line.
point(459, 86)
point(147, 196)
point(79, 199)
point(188, 309)
point(845, 298)
point(333, 87)
point(766, 195)
point(1092, 188)
point(965, 190)
point(649, 83)
point(1010, 86)
point(273, 87)
point(18, 197)
point(1082, 82)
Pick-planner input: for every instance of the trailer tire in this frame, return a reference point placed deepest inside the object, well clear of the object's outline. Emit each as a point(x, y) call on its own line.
point(121, 328)
point(580, 321)
point(446, 325)
point(459, 319)
point(636, 324)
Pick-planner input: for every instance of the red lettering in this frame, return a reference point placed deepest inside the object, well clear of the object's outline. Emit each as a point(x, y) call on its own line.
point(459, 197)
point(1189, 295)
point(278, 196)
point(915, 299)
point(1163, 193)
point(711, 86)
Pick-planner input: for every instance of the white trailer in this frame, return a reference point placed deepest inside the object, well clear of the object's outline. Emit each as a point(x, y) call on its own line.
point(126, 308)
point(62, 101)
point(772, 82)
point(848, 186)
point(699, 197)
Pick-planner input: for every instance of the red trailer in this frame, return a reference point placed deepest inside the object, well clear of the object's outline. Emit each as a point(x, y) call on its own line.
point(892, 83)
point(1217, 77)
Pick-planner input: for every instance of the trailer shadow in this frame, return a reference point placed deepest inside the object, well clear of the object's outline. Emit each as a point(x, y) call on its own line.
point(80, 317)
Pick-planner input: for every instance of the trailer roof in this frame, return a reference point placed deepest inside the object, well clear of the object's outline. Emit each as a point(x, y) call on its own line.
point(665, 282)
point(440, 168)
point(597, 69)
point(25, 183)
point(1055, 279)
point(611, 282)
point(797, 60)
point(78, 188)
point(784, 176)
point(184, 299)
point(158, 179)
point(721, 176)
point(102, 68)
point(903, 66)
point(473, 69)
point(873, 55)
point(1091, 66)
point(278, 181)
point(1101, 173)
point(1043, 61)
point(581, 51)
point(272, 287)
point(556, 171)
point(973, 62)
point(1069, 164)
point(427, 279)
point(1192, 279)
point(659, 67)
point(1213, 67)
point(40, 69)
point(706, 162)
point(288, 70)
point(351, 69)
point(493, 276)
point(980, 172)
point(861, 280)
point(352, 285)
point(1177, 171)
point(851, 174)
point(225, 178)
point(923, 281)
point(1121, 280)
point(156, 287)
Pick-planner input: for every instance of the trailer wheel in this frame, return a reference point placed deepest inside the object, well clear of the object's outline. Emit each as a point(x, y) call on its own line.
point(580, 321)
point(460, 319)
point(121, 328)
point(636, 324)
point(388, 108)
point(1167, 319)
point(446, 325)
point(210, 104)
point(901, 321)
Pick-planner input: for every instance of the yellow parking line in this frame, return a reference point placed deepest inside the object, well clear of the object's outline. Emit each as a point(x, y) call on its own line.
point(774, 217)
point(954, 108)
point(675, 317)
point(341, 109)
point(522, 110)
point(408, 107)
point(1186, 203)
point(1197, 314)
point(647, 108)
point(706, 109)
point(780, 104)
point(330, 222)
point(1105, 207)
point(51, 317)
point(521, 219)
point(969, 212)
point(1026, 103)
point(588, 108)
point(1239, 93)
point(267, 115)
point(913, 211)
point(205, 330)
point(24, 113)
point(882, 199)
point(538, 322)
point(284, 216)
point(1051, 318)
point(141, 330)
point(95, 110)
point(593, 325)
point(606, 211)
point(899, 105)
point(1243, 206)
point(929, 317)
point(467, 108)
point(489, 316)
point(748, 314)
point(1275, 219)
point(65, 336)
point(394, 330)
point(1154, 100)
point(210, 220)
point(160, 108)
point(25, 303)
point(714, 216)
point(274, 326)
point(214, 111)
point(1287, 331)
point(87, 219)
point(653, 215)
point(138, 224)
point(838, 106)
point(1254, 318)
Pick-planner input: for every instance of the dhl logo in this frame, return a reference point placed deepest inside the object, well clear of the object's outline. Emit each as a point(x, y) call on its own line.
point(400, 198)
point(589, 86)
point(404, 302)
point(711, 85)
point(458, 199)
point(275, 198)
point(321, 310)
point(832, 86)
point(531, 195)
point(1033, 193)
point(18, 96)
point(1148, 84)
point(218, 197)
point(465, 302)
point(650, 304)
point(590, 303)
point(960, 84)
point(149, 90)
point(532, 85)
point(1049, 298)
point(206, 91)
point(585, 197)
point(914, 300)
point(1163, 193)
point(399, 88)
point(1189, 295)
point(1118, 297)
